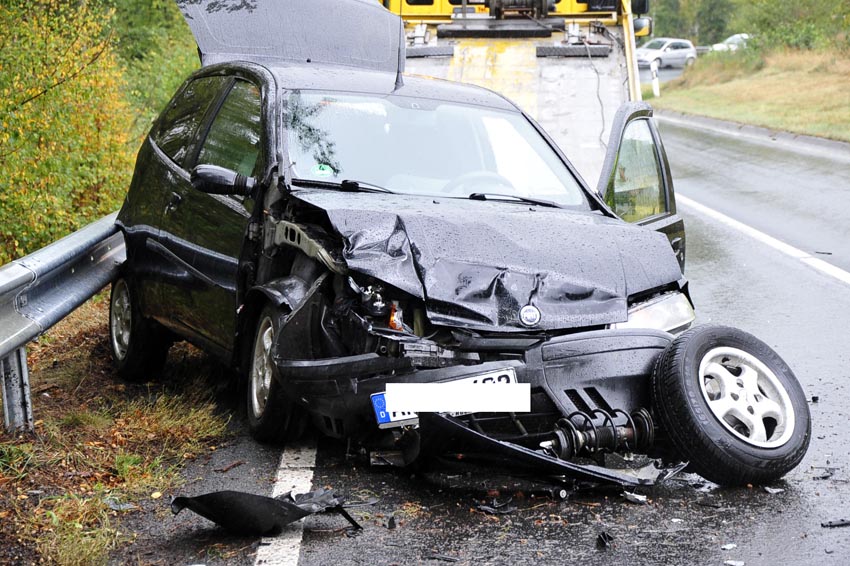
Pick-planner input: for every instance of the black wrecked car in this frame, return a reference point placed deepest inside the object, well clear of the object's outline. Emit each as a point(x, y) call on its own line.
point(329, 226)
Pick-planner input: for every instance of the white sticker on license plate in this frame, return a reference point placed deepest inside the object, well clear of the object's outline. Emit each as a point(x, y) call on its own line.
point(449, 396)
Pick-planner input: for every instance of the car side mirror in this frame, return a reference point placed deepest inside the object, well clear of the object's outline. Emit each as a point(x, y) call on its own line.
point(216, 180)
point(642, 27)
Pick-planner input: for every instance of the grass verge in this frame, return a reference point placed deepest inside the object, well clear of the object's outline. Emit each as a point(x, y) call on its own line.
point(99, 445)
point(804, 92)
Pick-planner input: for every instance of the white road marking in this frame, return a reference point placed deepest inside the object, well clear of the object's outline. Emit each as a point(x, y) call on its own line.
point(295, 473)
point(778, 245)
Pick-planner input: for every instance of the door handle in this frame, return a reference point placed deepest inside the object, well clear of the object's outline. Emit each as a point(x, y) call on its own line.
point(173, 202)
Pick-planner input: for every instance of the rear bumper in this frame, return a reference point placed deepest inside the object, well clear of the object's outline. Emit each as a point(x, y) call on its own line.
point(604, 369)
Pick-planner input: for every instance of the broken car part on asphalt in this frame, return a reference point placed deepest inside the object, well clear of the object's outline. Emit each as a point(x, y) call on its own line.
point(280, 217)
point(249, 514)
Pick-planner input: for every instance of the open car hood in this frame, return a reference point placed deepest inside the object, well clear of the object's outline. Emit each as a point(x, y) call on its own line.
point(476, 264)
point(352, 33)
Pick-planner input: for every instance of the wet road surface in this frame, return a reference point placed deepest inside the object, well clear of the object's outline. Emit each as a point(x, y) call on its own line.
point(431, 518)
point(664, 75)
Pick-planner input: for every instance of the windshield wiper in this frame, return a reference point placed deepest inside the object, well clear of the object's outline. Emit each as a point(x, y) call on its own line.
point(499, 196)
point(345, 185)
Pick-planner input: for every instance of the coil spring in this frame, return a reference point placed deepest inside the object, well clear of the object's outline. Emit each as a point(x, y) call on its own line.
point(578, 432)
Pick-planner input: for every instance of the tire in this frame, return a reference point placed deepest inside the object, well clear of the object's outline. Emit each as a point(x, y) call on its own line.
point(731, 406)
point(272, 418)
point(689, 62)
point(139, 346)
point(658, 63)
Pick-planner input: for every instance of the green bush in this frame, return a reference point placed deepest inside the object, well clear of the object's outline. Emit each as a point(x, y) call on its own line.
point(64, 157)
point(804, 24)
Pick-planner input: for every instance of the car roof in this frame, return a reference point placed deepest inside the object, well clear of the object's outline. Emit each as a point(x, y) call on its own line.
point(342, 79)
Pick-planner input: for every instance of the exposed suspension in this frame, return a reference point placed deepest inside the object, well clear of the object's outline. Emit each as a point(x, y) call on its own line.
point(578, 433)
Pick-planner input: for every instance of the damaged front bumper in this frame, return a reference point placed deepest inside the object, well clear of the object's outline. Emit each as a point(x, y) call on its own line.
point(599, 381)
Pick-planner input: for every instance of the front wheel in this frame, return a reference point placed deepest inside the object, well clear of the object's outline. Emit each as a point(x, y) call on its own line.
point(731, 406)
point(271, 416)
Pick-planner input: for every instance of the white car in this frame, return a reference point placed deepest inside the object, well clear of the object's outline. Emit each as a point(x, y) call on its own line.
point(732, 43)
point(667, 52)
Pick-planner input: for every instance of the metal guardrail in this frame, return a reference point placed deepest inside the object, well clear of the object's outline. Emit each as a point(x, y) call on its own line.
point(41, 289)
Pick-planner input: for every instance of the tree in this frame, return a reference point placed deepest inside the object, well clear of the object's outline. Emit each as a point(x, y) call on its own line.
point(64, 158)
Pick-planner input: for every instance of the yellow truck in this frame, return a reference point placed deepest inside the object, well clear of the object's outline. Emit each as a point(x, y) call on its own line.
point(569, 64)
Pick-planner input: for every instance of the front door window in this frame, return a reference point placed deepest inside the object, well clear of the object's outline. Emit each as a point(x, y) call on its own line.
point(636, 187)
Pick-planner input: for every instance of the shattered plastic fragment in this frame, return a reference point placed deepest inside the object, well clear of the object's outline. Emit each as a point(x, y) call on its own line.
point(773, 490)
point(604, 540)
point(733, 563)
point(635, 498)
point(498, 508)
point(836, 523)
point(113, 504)
point(246, 513)
point(729, 546)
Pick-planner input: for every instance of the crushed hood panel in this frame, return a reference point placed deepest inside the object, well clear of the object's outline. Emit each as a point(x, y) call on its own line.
point(476, 264)
point(351, 33)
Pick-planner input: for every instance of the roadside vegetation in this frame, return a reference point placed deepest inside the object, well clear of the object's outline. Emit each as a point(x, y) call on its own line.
point(101, 448)
point(804, 92)
point(793, 75)
point(80, 83)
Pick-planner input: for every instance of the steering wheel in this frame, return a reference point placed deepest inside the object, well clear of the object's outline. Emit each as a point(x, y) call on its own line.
point(465, 183)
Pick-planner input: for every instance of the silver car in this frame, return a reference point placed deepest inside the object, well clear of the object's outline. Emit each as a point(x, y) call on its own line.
point(667, 52)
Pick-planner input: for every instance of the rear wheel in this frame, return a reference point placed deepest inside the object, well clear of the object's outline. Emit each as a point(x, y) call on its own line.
point(731, 406)
point(689, 61)
point(139, 346)
point(271, 416)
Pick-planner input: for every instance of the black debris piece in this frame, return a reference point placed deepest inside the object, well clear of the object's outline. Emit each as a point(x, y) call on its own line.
point(836, 523)
point(441, 558)
point(391, 523)
point(604, 541)
point(249, 514)
point(497, 508)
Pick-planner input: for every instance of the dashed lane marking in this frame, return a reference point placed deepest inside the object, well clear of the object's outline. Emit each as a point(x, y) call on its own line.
point(295, 473)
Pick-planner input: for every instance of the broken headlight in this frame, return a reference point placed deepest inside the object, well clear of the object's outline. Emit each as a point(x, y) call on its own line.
point(671, 312)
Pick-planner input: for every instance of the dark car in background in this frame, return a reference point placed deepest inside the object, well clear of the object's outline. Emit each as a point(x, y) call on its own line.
point(329, 226)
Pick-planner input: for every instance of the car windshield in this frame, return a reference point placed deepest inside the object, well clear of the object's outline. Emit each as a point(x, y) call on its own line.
point(425, 147)
point(654, 44)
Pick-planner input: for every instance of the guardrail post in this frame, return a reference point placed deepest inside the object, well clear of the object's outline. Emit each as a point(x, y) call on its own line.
point(17, 404)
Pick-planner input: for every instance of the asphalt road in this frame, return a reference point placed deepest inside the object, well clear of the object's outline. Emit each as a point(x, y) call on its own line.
point(797, 197)
point(665, 74)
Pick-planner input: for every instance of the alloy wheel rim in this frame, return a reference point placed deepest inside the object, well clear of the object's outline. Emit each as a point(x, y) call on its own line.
point(121, 319)
point(746, 397)
point(261, 368)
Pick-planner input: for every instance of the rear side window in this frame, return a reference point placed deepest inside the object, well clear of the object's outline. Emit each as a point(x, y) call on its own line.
point(179, 122)
point(234, 137)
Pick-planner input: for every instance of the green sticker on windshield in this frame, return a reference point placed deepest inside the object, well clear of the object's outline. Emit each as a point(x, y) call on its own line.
point(322, 170)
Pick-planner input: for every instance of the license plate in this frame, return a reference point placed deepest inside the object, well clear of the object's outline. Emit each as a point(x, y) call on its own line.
point(388, 418)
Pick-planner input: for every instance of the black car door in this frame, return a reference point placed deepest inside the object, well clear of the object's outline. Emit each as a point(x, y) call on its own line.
point(206, 232)
point(635, 180)
point(160, 175)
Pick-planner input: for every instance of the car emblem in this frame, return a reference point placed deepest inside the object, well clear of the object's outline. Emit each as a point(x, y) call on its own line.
point(529, 315)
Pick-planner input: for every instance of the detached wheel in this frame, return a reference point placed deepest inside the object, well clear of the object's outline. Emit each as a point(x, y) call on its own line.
point(139, 346)
point(731, 406)
point(271, 416)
